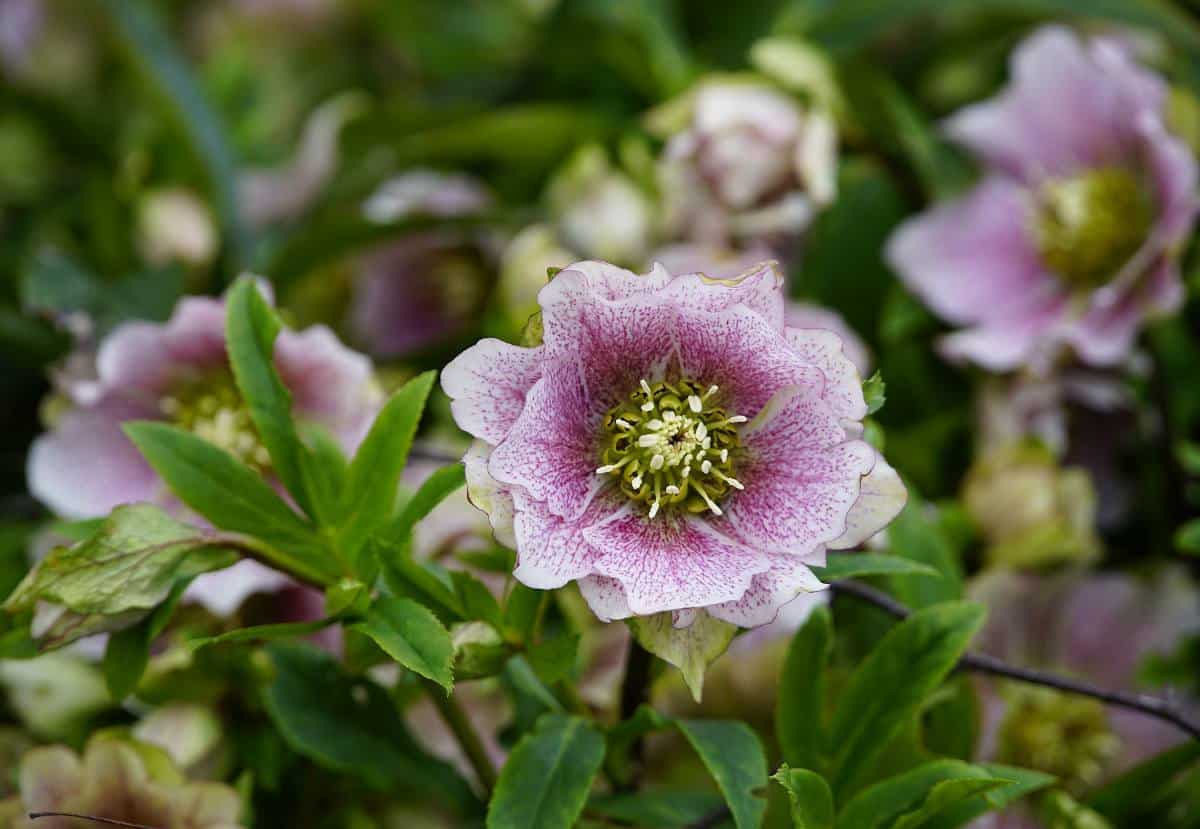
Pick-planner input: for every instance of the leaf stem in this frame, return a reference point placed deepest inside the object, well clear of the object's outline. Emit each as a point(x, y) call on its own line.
point(459, 723)
point(1153, 706)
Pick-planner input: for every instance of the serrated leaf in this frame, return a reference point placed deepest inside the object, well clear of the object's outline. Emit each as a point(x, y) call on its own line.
point(812, 802)
point(374, 475)
point(129, 566)
point(409, 633)
point(855, 565)
point(351, 725)
point(734, 756)
point(799, 715)
point(909, 800)
point(690, 649)
point(546, 781)
point(251, 327)
point(233, 497)
point(910, 662)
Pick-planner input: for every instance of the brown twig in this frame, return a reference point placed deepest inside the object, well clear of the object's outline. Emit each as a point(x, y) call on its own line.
point(95, 818)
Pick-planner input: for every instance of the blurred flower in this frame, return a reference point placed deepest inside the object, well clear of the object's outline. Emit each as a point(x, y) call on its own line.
point(191, 734)
point(1098, 627)
point(750, 164)
point(600, 211)
point(1072, 238)
point(671, 446)
point(20, 23)
point(1031, 511)
point(524, 268)
point(175, 225)
point(120, 781)
point(54, 694)
point(178, 372)
point(424, 287)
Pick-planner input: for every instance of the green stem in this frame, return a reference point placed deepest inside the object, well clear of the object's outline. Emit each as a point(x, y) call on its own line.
point(468, 738)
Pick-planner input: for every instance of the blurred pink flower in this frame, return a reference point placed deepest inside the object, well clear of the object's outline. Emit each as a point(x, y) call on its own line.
point(1096, 627)
point(1072, 237)
point(672, 445)
point(178, 372)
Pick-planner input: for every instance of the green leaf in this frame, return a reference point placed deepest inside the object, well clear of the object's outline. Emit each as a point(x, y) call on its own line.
point(909, 662)
point(874, 392)
point(733, 755)
point(548, 776)
point(147, 46)
point(233, 497)
point(350, 725)
point(909, 800)
point(130, 565)
point(520, 673)
point(422, 581)
point(554, 659)
point(436, 488)
point(691, 649)
point(1119, 799)
point(799, 715)
point(812, 802)
point(917, 538)
point(263, 633)
point(128, 651)
point(656, 809)
point(374, 474)
point(1187, 537)
point(1024, 782)
point(476, 599)
point(251, 327)
point(855, 565)
point(409, 633)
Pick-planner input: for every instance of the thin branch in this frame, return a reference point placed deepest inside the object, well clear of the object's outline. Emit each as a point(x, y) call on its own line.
point(635, 690)
point(459, 723)
point(1148, 704)
point(95, 818)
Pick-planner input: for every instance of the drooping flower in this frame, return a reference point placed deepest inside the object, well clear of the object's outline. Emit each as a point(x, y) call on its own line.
point(1068, 624)
point(119, 781)
point(1071, 240)
point(671, 446)
point(179, 372)
point(750, 163)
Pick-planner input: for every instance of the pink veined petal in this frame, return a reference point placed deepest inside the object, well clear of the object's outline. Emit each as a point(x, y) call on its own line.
point(85, 466)
point(488, 494)
point(550, 450)
point(974, 258)
point(743, 354)
point(487, 385)
point(133, 359)
point(330, 384)
point(881, 497)
point(759, 288)
point(801, 476)
point(1006, 344)
point(552, 551)
point(843, 385)
point(787, 580)
point(606, 598)
point(606, 282)
point(1069, 106)
point(807, 316)
point(672, 563)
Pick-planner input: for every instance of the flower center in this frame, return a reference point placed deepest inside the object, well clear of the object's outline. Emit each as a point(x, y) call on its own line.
point(211, 407)
point(668, 445)
point(1063, 735)
point(1090, 225)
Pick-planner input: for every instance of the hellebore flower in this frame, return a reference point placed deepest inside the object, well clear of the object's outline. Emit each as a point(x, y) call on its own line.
point(671, 446)
point(175, 225)
point(1068, 624)
point(750, 164)
point(424, 287)
point(1072, 237)
point(119, 780)
point(179, 372)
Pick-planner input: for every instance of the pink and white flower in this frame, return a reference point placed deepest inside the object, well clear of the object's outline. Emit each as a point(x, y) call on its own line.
point(1071, 239)
point(672, 446)
point(750, 164)
point(179, 372)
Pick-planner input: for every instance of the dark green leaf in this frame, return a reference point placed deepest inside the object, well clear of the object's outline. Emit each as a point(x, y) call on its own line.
point(910, 662)
point(1025, 781)
point(128, 651)
point(656, 809)
point(410, 633)
point(855, 565)
point(548, 776)
point(812, 802)
point(799, 716)
point(908, 800)
point(554, 659)
point(1119, 799)
point(437, 487)
point(1187, 537)
point(521, 610)
point(263, 633)
point(476, 599)
point(915, 537)
point(733, 755)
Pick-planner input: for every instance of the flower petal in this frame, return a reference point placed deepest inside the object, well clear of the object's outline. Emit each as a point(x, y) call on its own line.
point(550, 449)
point(487, 385)
point(488, 494)
point(787, 580)
point(606, 598)
point(671, 563)
point(881, 496)
point(759, 288)
point(843, 386)
point(552, 551)
point(801, 476)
